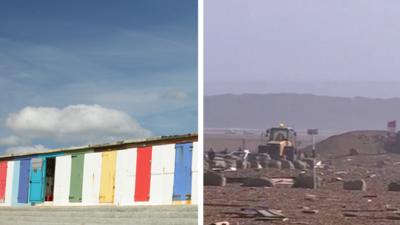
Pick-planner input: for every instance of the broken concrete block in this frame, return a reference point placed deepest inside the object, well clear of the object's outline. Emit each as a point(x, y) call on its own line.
point(264, 163)
point(394, 186)
point(353, 151)
point(254, 164)
point(219, 163)
point(309, 162)
point(286, 164)
point(300, 165)
point(241, 164)
point(214, 179)
point(258, 182)
point(221, 223)
point(306, 181)
point(275, 164)
point(355, 185)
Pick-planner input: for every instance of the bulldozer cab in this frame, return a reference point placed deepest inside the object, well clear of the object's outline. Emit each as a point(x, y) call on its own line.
point(281, 134)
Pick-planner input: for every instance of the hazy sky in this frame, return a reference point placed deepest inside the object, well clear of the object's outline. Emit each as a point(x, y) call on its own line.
point(309, 42)
point(77, 72)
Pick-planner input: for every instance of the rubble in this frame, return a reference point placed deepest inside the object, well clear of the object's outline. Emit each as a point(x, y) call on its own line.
point(221, 223)
point(355, 185)
point(305, 181)
point(394, 186)
point(214, 179)
point(258, 182)
point(329, 203)
point(286, 164)
point(353, 151)
point(300, 165)
point(275, 164)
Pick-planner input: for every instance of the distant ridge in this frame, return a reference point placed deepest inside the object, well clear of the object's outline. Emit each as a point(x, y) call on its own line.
point(301, 111)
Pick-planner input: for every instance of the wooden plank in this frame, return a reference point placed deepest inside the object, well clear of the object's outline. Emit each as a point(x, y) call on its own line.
point(76, 181)
point(162, 174)
point(143, 174)
point(91, 178)
point(3, 180)
point(125, 177)
point(107, 180)
point(62, 180)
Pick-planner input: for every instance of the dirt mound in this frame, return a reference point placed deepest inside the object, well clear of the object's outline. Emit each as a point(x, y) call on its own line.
point(366, 142)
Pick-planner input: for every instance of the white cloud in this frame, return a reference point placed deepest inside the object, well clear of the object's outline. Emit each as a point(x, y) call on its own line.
point(26, 149)
point(77, 123)
point(176, 94)
point(12, 141)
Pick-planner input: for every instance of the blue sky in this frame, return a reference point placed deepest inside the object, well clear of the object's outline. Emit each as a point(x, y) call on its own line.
point(135, 60)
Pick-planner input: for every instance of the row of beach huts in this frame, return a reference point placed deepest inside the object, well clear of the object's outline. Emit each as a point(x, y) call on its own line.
point(153, 171)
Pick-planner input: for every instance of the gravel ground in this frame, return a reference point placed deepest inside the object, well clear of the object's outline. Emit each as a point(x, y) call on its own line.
point(331, 200)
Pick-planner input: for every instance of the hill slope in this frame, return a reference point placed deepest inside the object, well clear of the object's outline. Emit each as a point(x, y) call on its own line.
point(367, 142)
point(301, 111)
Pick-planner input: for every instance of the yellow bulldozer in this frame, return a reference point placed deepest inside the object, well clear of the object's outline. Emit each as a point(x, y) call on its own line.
point(280, 144)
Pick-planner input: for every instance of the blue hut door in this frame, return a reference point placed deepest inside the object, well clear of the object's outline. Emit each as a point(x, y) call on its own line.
point(183, 172)
point(23, 184)
point(38, 166)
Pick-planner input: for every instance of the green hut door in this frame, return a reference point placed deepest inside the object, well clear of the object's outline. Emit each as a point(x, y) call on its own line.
point(75, 191)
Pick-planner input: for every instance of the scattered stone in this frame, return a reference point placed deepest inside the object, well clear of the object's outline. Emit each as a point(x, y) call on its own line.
point(338, 179)
point(381, 163)
point(306, 181)
point(241, 164)
point(258, 182)
point(310, 211)
point(341, 172)
point(286, 164)
point(264, 163)
point(311, 197)
point(219, 164)
point(394, 186)
point(300, 165)
point(355, 185)
point(310, 162)
point(353, 152)
point(221, 223)
point(275, 164)
point(254, 164)
point(214, 179)
point(390, 208)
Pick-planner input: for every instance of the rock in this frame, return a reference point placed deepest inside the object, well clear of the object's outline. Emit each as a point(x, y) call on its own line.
point(300, 165)
point(310, 197)
point(305, 181)
point(230, 163)
point(310, 211)
point(309, 162)
point(258, 182)
point(214, 179)
point(394, 186)
point(264, 163)
point(275, 164)
point(381, 163)
point(221, 223)
point(254, 164)
point(241, 164)
point(286, 164)
point(219, 164)
point(355, 185)
point(353, 151)
point(264, 156)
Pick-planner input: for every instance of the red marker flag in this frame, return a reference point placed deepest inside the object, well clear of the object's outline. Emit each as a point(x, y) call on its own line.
point(391, 125)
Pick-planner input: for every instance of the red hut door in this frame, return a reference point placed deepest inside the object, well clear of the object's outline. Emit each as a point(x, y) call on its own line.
point(3, 177)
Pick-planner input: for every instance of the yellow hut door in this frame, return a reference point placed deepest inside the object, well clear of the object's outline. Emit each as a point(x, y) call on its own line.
point(107, 179)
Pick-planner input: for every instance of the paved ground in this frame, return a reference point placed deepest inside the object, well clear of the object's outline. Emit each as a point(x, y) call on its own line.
point(143, 215)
